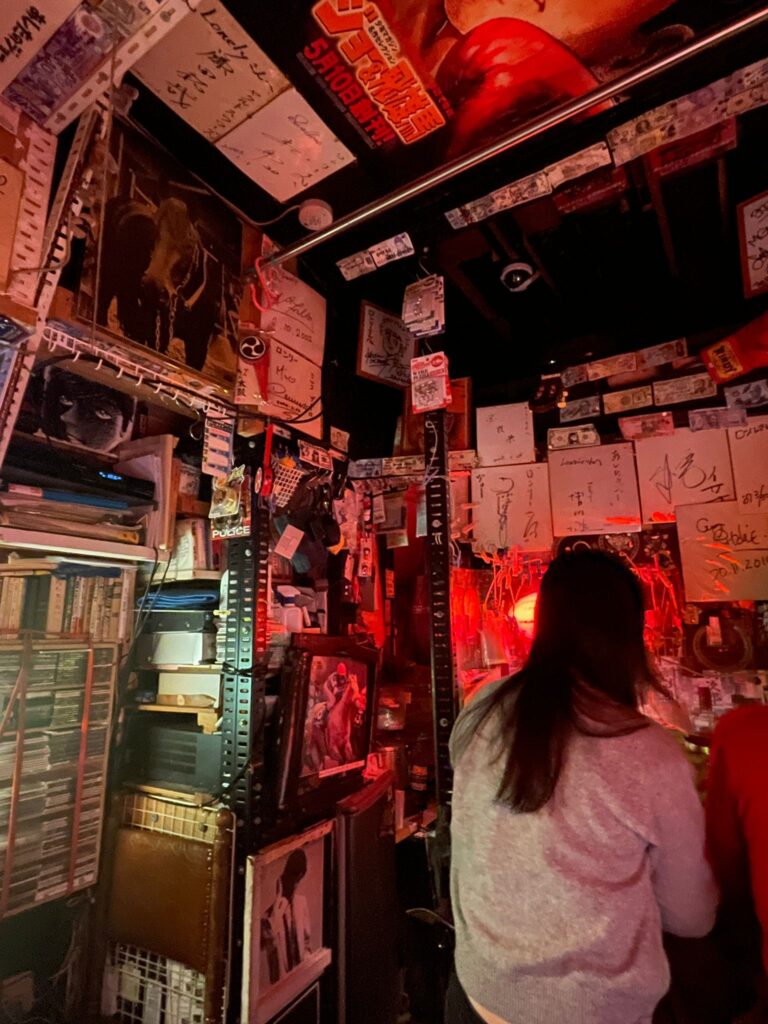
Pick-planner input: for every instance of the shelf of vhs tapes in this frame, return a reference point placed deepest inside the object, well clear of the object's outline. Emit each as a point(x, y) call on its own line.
point(56, 702)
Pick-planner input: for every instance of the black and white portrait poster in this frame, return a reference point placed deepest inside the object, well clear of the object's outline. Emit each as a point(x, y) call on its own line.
point(68, 407)
point(334, 728)
point(164, 269)
point(284, 923)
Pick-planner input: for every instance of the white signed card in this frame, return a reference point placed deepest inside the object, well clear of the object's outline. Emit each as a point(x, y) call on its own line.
point(210, 72)
point(686, 468)
point(510, 508)
point(285, 147)
point(594, 490)
point(505, 435)
point(724, 552)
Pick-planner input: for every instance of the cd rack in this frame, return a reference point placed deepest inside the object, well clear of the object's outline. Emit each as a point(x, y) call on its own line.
point(56, 702)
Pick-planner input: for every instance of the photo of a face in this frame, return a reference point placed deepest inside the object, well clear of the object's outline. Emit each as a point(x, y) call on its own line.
point(334, 729)
point(84, 412)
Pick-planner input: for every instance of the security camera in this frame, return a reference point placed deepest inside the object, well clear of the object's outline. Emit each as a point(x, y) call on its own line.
point(516, 277)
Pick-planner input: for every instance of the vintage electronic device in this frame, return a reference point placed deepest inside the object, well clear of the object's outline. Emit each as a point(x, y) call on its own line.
point(170, 756)
point(153, 650)
point(38, 464)
point(181, 621)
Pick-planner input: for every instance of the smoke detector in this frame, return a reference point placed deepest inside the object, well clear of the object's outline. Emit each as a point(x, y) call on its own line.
point(315, 215)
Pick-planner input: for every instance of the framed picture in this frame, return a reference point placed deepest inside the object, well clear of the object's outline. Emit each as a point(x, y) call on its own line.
point(285, 947)
point(69, 407)
point(164, 270)
point(328, 699)
point(305, 1010)
point(385, 347)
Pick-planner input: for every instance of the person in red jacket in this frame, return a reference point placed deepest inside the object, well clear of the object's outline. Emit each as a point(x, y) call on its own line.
point(737, 836)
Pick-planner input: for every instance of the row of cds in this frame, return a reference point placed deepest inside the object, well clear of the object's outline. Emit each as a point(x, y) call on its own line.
point(59, 808)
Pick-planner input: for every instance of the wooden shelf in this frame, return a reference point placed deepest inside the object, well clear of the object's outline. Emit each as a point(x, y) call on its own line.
point(207, 718)
point(88, 547)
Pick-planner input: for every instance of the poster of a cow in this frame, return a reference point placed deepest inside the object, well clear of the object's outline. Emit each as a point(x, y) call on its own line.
point(164, 269)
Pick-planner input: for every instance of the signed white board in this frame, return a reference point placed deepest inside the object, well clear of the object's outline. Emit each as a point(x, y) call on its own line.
point(511, 508)
point(385, 347)
point(724, 552)
point(753, 234)
point(296, 315)
point(505, 435)
point(210, 71)
point(284, 384)
point(594, 490)
point(685, 468)
point(285, 147)
point(749, 455)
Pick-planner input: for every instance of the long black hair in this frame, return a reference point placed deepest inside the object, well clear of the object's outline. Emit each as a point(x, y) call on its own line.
point(586, 669)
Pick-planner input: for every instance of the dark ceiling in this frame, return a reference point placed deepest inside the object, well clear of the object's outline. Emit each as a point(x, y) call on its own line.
point(658, 260)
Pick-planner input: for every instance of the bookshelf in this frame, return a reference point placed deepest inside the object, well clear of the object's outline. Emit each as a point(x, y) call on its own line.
point(85, 547)
point(56, 703)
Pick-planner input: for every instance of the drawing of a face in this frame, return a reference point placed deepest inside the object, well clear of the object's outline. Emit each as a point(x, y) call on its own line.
point(394, 344)
point(85, 412)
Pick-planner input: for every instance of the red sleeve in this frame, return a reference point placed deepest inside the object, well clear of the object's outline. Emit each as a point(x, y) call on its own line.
point(726, 847)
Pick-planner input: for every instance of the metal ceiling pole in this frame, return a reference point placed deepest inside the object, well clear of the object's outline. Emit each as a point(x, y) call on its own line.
point(527, 131)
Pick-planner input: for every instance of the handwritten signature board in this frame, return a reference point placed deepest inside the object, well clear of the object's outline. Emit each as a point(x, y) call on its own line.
point(511, 508)
point(296, 316)
point(210, 71)
point(285, 384)
point(684, 468)
point(385, 347)
point(505, 435)
point(753, 238)
point(749, 456)
point(724, 552)
point(285, 147)
point(594, 490)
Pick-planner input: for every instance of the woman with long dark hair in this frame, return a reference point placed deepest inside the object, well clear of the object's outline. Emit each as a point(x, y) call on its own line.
point(577, 834)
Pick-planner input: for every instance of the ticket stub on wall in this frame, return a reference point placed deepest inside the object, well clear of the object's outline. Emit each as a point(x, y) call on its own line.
point(430, 384)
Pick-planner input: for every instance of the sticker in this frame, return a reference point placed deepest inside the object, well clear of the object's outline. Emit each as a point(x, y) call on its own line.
point(430, 385)
point(389, 583)
point(715, 419)
point(355, 266)
point(395, 248)
point(364, 469)
point(315, 456)
point(579, 164)
point(456, 219)
point(600, 368)
point(626, 401)
point(339, 439)
point(748, 396)
point(402, 465)
point(574, 375)
point(365, 559)
point(572, 437)
point(379, 513)
point(654, 424)
point(217, 446)
point(289, 541)
point(580, 409)
point(684, 389)
point(668, 352)
point(519, 192)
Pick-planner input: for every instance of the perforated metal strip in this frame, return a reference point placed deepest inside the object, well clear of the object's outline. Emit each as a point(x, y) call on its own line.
point(439, 574)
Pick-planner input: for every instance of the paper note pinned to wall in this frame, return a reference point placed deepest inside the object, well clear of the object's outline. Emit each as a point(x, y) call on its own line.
point(724, 552)
point(210, 72)
point(511, 508)
point(753, 222)
point(687, 468)
point(749, 455)
point(594, 490)
point(285, 147)
point(283, 384)
point(505, 435)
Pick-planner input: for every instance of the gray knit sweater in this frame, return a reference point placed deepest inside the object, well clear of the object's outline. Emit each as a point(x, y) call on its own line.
point(559, 914)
